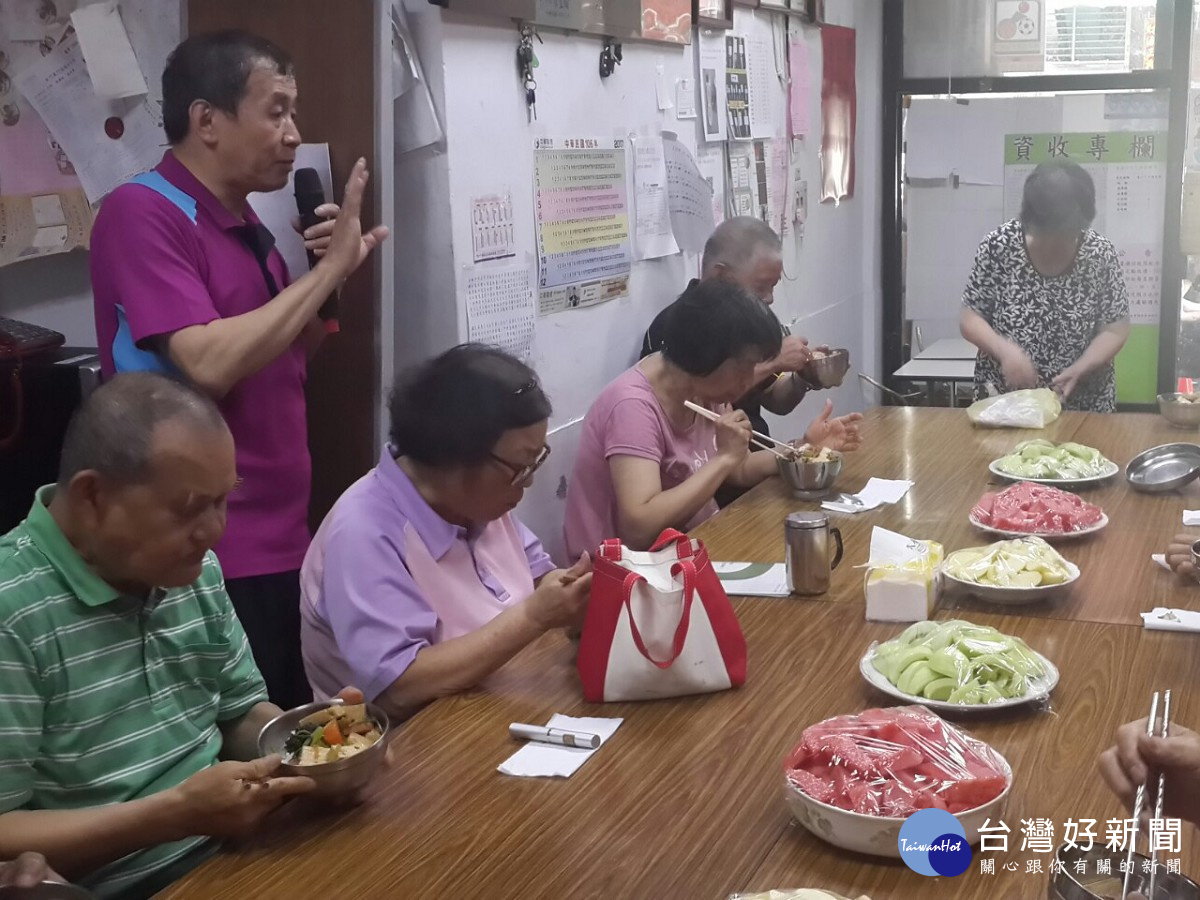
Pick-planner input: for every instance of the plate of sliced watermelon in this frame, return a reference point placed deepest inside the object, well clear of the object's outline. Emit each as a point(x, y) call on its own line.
point(1026, 509)
point(853, 780)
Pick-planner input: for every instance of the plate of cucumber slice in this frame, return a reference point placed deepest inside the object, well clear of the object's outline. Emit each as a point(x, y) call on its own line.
point(957, 666)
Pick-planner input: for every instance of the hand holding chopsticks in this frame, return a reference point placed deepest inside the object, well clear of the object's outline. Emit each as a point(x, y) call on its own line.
point(1137, 754)
point(715, 417)
point(1147, 755)
point(1140, 798)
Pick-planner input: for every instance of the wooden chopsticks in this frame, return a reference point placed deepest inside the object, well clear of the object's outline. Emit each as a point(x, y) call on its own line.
point(713, 417)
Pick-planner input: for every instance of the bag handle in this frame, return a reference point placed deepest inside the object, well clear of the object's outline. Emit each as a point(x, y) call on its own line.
point(683, 543)
point(611, 549)
point(688, 568)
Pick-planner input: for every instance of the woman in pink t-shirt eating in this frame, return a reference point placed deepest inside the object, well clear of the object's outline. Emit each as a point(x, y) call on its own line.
point(645, 461)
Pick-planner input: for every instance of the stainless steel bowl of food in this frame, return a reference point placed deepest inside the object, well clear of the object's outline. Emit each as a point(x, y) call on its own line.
point(1069, 884)
point(1181, 410)
point(826, 368)
point(340, 763)
point(810, 472)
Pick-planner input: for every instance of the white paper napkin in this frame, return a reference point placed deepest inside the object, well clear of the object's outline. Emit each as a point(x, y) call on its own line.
point(1163, 619)
point(538, 760)
point(1191, 517)
point(877, 492)
point(1160, 559)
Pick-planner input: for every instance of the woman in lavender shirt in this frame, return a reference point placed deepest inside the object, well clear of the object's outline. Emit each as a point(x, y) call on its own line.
point(421, 581)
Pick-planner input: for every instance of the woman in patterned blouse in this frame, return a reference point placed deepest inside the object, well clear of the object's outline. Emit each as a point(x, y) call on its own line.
point(1046, 303)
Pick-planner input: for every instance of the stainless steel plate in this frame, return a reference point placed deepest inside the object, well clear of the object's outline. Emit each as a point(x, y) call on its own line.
point(1164, 468)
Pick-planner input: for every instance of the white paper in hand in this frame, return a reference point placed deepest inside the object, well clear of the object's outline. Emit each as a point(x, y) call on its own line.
point(538, 760)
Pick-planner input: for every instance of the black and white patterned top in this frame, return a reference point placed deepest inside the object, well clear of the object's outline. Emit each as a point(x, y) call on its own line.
point(1052, 319)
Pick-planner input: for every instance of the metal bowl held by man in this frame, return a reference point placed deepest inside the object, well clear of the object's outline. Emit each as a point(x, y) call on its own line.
point(827, 368)
point(1165, 468)
point(339, 746)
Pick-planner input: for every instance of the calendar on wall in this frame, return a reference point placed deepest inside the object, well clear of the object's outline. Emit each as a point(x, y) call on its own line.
point(581, 210)
point(1129, 169)
point(500, 307)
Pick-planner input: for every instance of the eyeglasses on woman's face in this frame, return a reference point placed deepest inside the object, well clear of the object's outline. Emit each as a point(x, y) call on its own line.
point(521, 474)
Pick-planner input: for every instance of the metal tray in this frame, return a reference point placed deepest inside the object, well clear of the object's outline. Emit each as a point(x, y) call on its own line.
point(1164, 468)
point(1067, 885)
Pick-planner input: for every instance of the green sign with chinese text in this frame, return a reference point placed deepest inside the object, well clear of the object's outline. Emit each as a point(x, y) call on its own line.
point(1086, 148)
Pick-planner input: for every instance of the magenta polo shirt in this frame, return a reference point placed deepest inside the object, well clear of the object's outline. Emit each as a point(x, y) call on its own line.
point(386, 576)
point(165, 254)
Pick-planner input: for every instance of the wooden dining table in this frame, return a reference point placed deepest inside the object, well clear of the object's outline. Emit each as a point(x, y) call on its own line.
point(686, 800)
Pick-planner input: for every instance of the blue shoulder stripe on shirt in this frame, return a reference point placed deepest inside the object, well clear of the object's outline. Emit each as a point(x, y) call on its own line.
point(129, 357)
point(160, 185)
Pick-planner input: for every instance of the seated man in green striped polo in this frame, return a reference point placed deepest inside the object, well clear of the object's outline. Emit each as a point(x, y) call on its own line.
point(124, 673)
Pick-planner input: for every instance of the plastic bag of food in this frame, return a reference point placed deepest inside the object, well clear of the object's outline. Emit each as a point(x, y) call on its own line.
point(796, 894)
point(959, 662)
point(893, 762)
point(1035, 408)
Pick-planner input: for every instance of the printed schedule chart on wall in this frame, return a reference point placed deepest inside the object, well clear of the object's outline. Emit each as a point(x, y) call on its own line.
point(1129, 169)
point(500, 307)
point(581, 207)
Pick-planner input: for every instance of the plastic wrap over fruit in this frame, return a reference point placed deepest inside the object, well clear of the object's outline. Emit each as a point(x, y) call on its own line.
point(1020, 563)
point(893, 762)
point(960, 662)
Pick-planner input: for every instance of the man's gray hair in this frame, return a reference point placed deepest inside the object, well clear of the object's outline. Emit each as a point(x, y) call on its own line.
point(112, 432)
point(735, 242)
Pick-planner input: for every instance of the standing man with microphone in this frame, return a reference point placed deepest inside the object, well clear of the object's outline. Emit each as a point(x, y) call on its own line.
point(187, 281)
point(310, 198)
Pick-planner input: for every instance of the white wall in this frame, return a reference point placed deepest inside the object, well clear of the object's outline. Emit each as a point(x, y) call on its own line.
point(831, 280)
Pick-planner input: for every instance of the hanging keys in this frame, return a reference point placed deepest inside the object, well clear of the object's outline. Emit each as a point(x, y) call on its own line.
point(526, 63)
point(531, 98)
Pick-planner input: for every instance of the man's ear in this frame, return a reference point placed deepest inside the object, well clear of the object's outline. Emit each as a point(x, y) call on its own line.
point(202, 121)
point(87, 494)
point(723, 271)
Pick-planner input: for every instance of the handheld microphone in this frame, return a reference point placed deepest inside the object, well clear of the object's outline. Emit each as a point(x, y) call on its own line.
point(309, 195)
